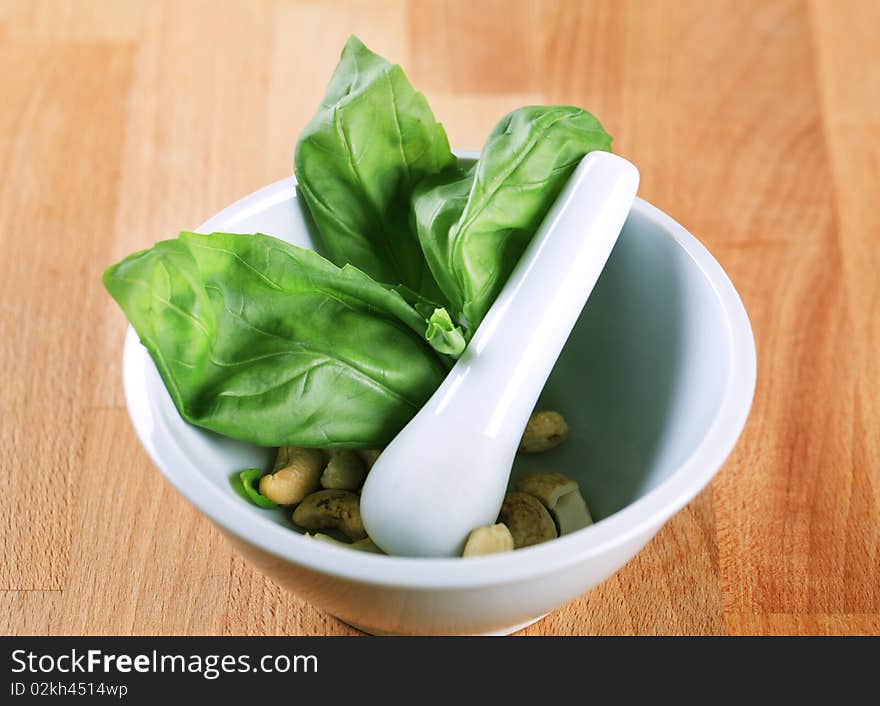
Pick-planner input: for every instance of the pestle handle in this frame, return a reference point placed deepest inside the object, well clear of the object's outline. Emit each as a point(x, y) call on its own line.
point(513, 352)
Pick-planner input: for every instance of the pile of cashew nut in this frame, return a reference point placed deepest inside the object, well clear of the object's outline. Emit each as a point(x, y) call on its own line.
point(324, 487)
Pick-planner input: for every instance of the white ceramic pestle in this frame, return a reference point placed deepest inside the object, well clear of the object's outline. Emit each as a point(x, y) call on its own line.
point(447, 471)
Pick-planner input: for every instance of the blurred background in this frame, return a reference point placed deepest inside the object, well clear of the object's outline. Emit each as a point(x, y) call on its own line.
point(754, 124)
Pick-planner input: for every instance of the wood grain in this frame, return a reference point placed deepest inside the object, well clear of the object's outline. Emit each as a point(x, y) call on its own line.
point(756, 124)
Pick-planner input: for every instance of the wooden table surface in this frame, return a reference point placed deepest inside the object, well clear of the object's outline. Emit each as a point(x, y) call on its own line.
point(755, 124)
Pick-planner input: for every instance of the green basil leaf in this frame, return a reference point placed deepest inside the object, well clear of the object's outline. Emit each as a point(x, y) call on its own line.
point(357, 162)
point(272, 344)
point(474, 224)
point(247, 478)
point(443, 335)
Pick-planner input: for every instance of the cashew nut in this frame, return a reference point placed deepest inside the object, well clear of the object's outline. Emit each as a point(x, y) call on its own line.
point(331, 509)
point(369, 456)
point(362, 545)
point(527, 519)
point(366, 545)
point(544, 431)
point(297, 473)
point(345, 470)
point(488, 540)
point(561, 496)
